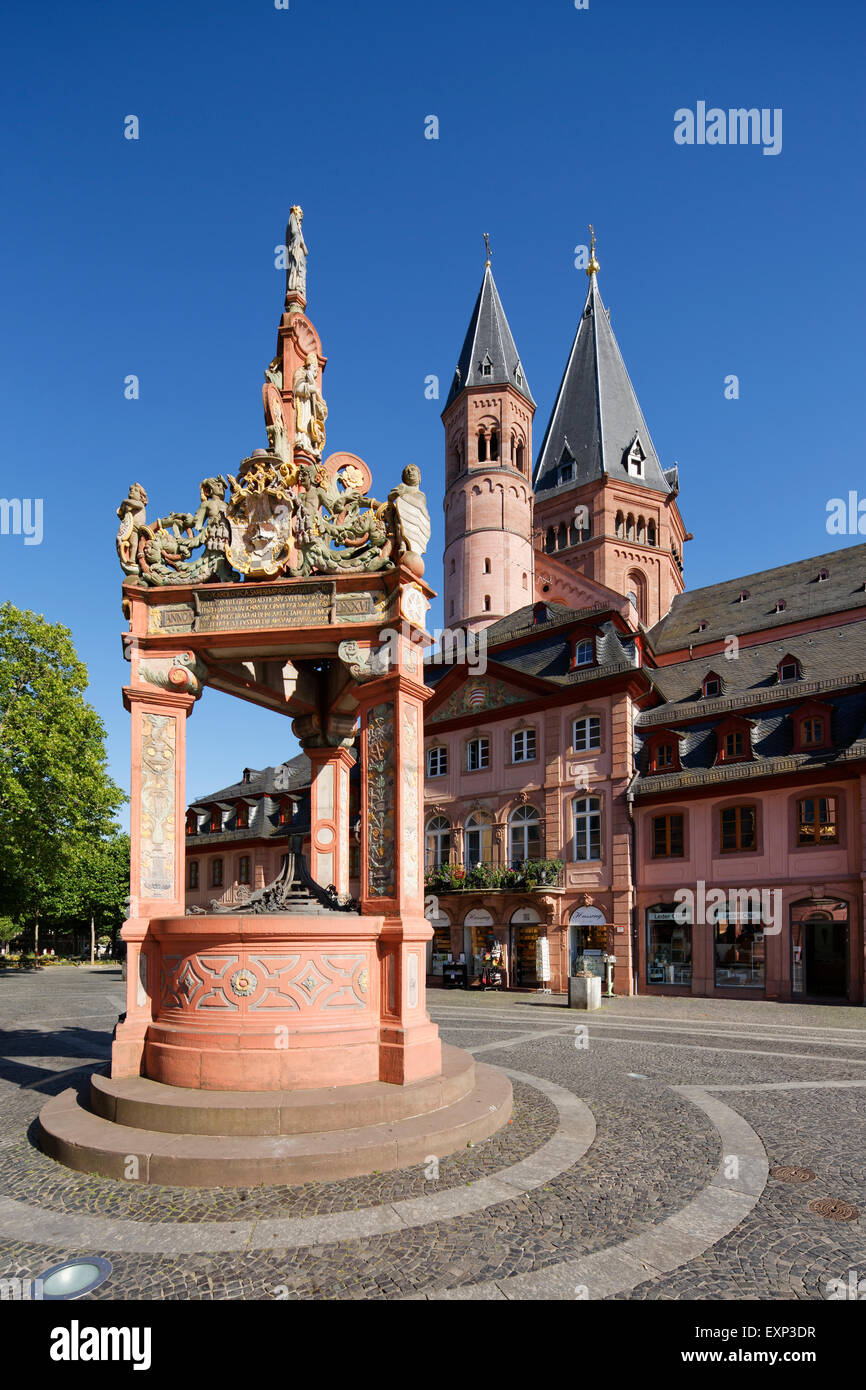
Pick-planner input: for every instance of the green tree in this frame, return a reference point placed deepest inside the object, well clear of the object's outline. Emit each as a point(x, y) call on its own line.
point(57, 801)
point(95, 889)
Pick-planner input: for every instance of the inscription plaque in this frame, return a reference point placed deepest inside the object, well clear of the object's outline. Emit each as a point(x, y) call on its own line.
point(255, 606)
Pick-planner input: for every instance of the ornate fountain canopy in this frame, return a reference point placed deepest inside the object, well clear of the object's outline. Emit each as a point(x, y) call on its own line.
point(287, 513)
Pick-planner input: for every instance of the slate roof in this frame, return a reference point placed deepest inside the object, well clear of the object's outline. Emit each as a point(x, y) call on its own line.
point(832, 660)
point(546, 652)
point(796, 584)
point(597, 415)
point(488, 335)
point(835, 654)
point(265, 789)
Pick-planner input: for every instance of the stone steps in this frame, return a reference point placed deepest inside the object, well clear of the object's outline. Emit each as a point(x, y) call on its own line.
point(138, 1103)
point(90, 1143)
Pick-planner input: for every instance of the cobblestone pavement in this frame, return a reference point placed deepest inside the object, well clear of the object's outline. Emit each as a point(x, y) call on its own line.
point(655, 1151)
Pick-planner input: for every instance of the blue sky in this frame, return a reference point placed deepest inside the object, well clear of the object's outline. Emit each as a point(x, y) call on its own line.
point(156, 257)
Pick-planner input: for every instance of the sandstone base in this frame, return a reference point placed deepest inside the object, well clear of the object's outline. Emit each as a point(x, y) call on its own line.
point(189, 1138)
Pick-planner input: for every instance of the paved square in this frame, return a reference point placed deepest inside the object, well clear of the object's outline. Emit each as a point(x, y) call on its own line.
point(638, 1164)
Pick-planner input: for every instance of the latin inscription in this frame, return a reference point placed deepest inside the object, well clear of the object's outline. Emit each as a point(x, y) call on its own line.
point(251, 606)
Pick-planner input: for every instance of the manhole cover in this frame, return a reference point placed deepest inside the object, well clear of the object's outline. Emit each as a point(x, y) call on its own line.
point(833, 1209)
point(792, 1174)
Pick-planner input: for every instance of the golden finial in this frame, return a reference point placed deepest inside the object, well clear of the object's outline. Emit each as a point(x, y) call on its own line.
point(486, 236)
point(593, 268)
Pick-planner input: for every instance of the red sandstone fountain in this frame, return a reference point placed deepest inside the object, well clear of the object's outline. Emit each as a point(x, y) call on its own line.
point(286, 1039)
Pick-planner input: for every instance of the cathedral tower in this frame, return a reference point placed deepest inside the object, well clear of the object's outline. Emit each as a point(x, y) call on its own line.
point(488, 453)
point(604, 506)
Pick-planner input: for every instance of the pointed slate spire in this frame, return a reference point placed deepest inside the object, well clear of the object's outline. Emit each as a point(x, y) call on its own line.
point(597, 421)
point(489, 356)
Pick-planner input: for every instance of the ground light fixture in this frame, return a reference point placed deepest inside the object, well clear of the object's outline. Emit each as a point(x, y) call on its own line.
point(74, 1278)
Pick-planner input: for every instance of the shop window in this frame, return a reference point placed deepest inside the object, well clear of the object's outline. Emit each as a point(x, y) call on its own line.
point(216, 873)
point(668, 836)
point(523, 746)
point(669, 946)
point(587, 828)
point(739, 948)
point(477, 754)
point(437, 762)
point(437, 846)
point(586, 734)
point(192, 874)
point(244, 869)
point(478, 837)
point(524, 835)
point(817, 821)
point(738, 829)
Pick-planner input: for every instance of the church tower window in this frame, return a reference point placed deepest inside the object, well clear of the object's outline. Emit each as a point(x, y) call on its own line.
point(486, 565)
point(550, 540)
point(520, 457)
point(562, 537)
point(494, 445)
point(482, 447)
point(618, 525)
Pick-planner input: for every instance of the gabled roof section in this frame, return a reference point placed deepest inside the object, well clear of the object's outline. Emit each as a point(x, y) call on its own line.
point(597, 419)
point(489, 343)
point(786, 594)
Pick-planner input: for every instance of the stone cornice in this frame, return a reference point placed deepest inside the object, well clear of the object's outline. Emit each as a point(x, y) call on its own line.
point(742, 772)
point(698, 709)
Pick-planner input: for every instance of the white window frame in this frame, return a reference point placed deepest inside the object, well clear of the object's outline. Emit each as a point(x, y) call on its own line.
point(519, 823)
point(482, 745)
point(586, 747)
point(524, 737)
point(584, 811)
point(584, 642)
point(441, 754)
point(436, 832)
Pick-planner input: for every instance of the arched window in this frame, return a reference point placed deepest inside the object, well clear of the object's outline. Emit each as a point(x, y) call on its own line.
point(573, 534)
point(651, 533)
point(486, 565)
point(524, 585)
point(478, 835)
point(482, 447)
point(550, 540)
point(524, 835)
point(494, 444)
point(486, 603)
point(637, 592)
point(562, 537)
point(641, 531)
point(438, 842)
point(520, 457)
point(453, 565)
point(618, 525)
point(629, 527)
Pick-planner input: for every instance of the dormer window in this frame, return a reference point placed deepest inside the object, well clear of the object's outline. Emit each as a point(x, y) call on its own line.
point(566, 472)
point(216, 819)
point(743, 595)
point(702, 625)
point(518, 375)
point(191, 823)
point(781, 605)
point(811, 727)
point(712, 686)
point(734, 741)
point(823, 575)
point(789, 669)
point(663, 754)
point(584, 652)
point(487, 365)
point(243, 817)
point(634, 459)
point(285, 811)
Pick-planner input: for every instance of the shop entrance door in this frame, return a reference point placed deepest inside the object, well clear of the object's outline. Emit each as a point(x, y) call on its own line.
point(827, 959)
point(819, 947)
point(521, 953)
